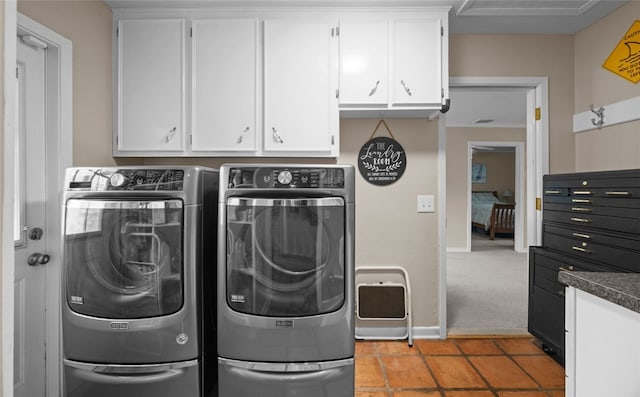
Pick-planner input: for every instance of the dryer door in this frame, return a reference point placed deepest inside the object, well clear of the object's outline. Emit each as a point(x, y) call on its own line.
point(285, 257)
point(123, 259)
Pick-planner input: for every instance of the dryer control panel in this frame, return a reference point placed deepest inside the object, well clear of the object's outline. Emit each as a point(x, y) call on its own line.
point(124, 179)
point(285, 177)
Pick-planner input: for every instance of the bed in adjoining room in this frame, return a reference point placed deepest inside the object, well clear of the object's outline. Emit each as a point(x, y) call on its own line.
point(491, 215)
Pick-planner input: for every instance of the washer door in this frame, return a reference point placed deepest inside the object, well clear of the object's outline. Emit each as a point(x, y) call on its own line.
point(285, 257)
point(123, 259)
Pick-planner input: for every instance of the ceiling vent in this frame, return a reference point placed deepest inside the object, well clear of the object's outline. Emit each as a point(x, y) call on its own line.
point(525, 7)
point(483, 121)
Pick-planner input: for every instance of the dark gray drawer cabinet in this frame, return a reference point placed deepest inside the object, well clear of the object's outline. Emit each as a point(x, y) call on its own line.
point(591, 222)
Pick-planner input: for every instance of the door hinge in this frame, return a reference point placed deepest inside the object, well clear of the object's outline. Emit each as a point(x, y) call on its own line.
point(335, 32)
point(538, 114)
point(441, 92)
point(538, 204)
point(191, 139)
point(17, 73)
point(333, 140)
point(117, 33)
point(191, 32)
point(337, 93)
point(442, 31)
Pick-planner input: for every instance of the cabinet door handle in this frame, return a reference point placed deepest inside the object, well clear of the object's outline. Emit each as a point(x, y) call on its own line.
point(626, 194)
point(567, 269)
point(241, 137)
point(581, 220)
point(581, 201)
point(583, 192)
point(276, 136)
point(582, 235)
point(580, 249)
point(169, 135)
point(552, 192)
point(580, 209)
point(375, 88)
point(405, 87)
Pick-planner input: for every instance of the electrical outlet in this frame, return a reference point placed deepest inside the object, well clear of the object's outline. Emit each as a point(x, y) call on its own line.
point(426, 203)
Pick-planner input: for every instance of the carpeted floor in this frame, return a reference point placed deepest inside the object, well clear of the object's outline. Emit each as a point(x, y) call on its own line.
point(487, 288)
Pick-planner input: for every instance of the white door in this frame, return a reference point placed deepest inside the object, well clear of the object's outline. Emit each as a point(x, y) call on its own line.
point(29, 226)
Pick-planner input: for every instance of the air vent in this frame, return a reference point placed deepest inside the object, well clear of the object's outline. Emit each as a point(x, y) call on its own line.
point(484, 121)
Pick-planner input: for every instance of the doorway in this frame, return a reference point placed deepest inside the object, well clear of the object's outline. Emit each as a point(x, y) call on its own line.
point(56, 140)
point(536, 153)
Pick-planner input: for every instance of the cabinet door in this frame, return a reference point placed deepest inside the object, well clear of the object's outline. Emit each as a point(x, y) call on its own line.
point(224, 81)
point(417, 62)
point(300, 73)
point(150, 97)
point(363, 62)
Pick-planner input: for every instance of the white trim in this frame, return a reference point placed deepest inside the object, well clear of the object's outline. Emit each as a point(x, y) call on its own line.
point(442, 221)
point(614, 113)
point(10, 15)
point(397, 333)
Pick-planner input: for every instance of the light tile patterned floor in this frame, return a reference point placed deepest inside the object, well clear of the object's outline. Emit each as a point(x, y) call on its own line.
point(457, 367)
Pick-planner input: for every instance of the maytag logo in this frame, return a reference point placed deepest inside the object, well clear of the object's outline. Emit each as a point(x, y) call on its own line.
point(284, 323)
point(119, 325)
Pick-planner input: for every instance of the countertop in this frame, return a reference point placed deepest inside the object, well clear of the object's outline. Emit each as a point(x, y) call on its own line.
point(620, 288)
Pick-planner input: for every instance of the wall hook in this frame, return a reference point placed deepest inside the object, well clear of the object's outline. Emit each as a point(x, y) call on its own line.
point(599, 120)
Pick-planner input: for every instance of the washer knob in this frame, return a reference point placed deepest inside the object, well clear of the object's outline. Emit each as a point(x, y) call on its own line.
point(285, 177)
point(117, 180)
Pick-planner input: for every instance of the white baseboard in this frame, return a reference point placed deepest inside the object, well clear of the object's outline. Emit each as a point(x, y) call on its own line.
point(397, 333)
point(457, 249)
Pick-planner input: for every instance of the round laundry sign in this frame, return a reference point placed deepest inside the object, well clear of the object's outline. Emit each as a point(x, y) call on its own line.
point(382, 161)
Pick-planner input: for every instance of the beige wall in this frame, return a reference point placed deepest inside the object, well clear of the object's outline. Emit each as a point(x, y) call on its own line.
point(87, 23)
point(458, 175)
point(615, 147)
point(526, 55)
point(501, 171)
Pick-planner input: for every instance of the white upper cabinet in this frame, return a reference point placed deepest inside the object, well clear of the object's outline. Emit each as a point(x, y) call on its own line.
point(363, 62)
point(417, 62)
point(224, 79)
point(300, 83)
point(150, 86)
point(396, 62)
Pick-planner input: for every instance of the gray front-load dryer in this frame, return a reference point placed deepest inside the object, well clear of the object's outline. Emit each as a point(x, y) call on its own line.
point(286, 280)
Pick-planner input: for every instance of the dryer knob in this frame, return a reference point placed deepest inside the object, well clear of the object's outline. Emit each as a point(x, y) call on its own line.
point(117, 179)
point(285, 177)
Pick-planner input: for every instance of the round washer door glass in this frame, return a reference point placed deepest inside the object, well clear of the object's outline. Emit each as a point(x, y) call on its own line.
point(285, 257)
point(123, 259)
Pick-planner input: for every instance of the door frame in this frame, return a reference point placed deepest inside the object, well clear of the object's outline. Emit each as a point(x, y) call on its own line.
point(518, 242)
point(537, 164)
point(59, 147)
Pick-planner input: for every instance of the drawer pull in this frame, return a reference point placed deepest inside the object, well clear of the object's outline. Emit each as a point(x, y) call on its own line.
point(626, 194)
point(580, 249)
point(581, 235)
point(581, 209)
point(566, 269)
point(581, 220)
point(583, 192)
point(581, 201)
point(552, 192)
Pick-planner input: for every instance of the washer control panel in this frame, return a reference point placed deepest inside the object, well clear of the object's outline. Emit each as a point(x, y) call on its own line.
point(124, 179)
point(286, 177)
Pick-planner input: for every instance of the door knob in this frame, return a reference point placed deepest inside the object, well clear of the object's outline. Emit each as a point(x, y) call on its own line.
point(38, 259)
point(35, 233)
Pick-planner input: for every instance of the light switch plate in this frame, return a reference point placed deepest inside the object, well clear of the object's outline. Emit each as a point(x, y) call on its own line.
point(426, 203)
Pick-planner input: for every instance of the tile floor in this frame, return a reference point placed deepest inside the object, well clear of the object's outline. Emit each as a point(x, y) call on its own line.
point(457, 367)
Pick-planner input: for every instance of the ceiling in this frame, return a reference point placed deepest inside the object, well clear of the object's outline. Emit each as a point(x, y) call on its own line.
point(505, 106)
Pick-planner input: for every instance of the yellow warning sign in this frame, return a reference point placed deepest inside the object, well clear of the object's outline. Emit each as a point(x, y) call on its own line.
point(624, 60)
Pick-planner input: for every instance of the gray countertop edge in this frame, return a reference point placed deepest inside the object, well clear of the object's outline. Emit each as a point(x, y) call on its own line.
point(619, 288)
